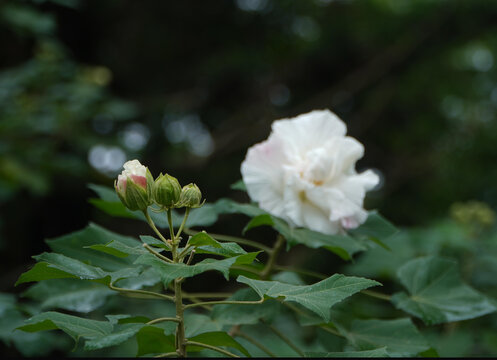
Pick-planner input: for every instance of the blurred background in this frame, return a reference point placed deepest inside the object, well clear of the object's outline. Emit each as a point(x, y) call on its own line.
point(187, 86)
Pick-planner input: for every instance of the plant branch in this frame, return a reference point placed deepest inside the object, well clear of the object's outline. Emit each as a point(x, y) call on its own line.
point(238, 240)
point(142, 292)
point(170, 222)
point(225, 302)
point(155, 321)
point(211, 347)
point(376, 294)
point(286, 340)
point(187, 212)
point(207, 295)
point(160, 256)
point(173, 353)
point(280, 241)
point(300, 271)
point(152, 225)
point(250, 339)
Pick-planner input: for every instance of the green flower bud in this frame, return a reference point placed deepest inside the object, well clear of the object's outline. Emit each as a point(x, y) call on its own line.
point(167, 191)
point(134, 186)
point(190, 197)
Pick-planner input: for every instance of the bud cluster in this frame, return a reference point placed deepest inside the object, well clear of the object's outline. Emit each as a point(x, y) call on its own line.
point(137, 189)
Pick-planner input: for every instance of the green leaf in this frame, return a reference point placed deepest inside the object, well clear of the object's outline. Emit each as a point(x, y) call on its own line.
point(342, 245)
point(118, 249)
point(114, 208)
point(69, 294)
point(319, 297)
point(169, 272)
point(437, 294)
point(232, 314)
point(239, 185)
point(218, 338)
point(76, 245)
point(68, 266)
point(150, 240)
point(123, 333)
point(152, 340)
point(42, 271)
point(376, 228)
point(202, 238)
point(381, 352)
point(74, 326)
point(226, 250)
point(400, 336)
point(259, 220)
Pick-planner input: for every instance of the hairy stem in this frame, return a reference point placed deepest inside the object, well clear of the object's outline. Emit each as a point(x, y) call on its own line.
point(169, 354)
point(155, 321)
point(155, 253)
point(170, 222)
point(207, 295)
point(211, 347)
point(286, 340)
point(224, 302)
point(141, 292)
point(250, 339)
point(187, 212)
point(152, 225)
point(278, 245)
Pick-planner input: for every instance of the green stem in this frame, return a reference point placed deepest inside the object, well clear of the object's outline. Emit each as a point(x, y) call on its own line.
point(300, 271)
point(254, 341)
point(142, 292)
point(211, 347)
point(183, 253)
point(155, 321)
point(286, 340)
point(376, 294)
point(224, 302)
point(170, 222)
point(160, 256)
point(331, 331)
point(238, 240)
point(152, 225)
point(280, 241)
point(190, 258)
point(187, 212)
point(173, 353)
point(180, 329)
point(207, 295)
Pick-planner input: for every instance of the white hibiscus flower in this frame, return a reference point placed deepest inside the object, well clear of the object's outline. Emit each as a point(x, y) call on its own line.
point(305, 173)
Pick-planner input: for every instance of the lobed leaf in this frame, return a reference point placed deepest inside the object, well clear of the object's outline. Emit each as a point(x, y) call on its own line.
point(399, 336)
point(153, 340)
point(74, 326)
point(319, 297)
point(69, 294)
point(437, 294)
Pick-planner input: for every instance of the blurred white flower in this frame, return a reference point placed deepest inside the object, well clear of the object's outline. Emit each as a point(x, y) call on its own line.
point(305, 173)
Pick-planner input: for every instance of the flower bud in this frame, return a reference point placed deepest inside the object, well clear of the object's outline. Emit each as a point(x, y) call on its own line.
point(134, 186)
point(190, 196)
point(167, 190)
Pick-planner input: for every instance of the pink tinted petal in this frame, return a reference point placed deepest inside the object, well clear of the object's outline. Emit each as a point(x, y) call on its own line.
point(139, 180)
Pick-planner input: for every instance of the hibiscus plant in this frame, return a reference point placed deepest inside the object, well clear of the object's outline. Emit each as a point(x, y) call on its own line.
point(303, 183)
